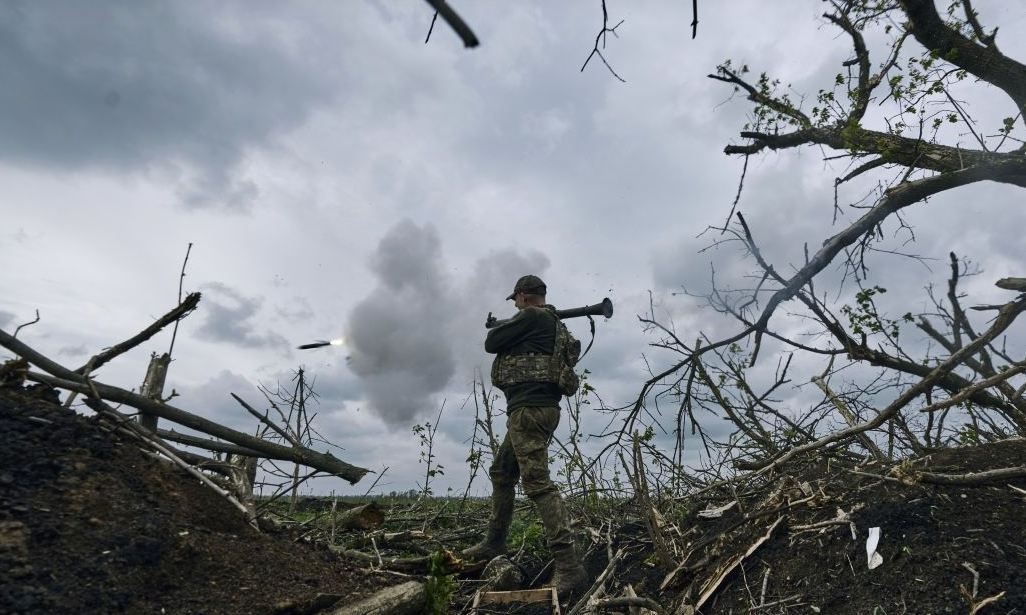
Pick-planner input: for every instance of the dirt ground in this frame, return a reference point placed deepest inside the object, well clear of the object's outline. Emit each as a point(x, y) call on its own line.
point(89, 524)
point(932, 539)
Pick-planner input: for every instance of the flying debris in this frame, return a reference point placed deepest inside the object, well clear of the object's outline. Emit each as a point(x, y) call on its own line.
point(318, 344)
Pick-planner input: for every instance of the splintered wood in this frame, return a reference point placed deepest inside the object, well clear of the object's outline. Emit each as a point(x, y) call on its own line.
point(520, 602)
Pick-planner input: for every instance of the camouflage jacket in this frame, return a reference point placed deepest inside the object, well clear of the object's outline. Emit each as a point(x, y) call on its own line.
point(532, 330)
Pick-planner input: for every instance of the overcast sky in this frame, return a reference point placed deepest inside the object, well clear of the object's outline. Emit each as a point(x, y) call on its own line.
point(338, 177)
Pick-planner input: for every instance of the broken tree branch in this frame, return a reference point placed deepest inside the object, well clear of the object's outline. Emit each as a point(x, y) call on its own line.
point(64, 378)
point(179, 312)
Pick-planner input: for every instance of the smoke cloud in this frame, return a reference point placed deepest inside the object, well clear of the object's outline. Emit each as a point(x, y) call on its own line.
point(399, 334)
point(419, 327)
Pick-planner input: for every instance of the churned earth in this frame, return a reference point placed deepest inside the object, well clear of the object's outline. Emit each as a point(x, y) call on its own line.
point(90, 524)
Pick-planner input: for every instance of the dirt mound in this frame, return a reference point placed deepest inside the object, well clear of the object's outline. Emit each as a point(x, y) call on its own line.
point(945, 548)
point(89, 523)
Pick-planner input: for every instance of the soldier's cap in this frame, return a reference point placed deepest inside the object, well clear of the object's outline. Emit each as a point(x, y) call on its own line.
point(530, 284)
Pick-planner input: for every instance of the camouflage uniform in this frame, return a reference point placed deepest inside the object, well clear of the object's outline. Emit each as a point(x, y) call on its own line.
point(532, 417)
point(524, 455)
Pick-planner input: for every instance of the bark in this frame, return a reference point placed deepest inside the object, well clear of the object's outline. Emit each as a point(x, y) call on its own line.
point(211, 445)
point(985, 62)
point(365, 517)
point(971, 478)
point(179, 312)
point(153, 387)
point(405, 599)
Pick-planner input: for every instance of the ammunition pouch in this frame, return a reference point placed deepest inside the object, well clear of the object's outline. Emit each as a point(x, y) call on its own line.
point(556, 368)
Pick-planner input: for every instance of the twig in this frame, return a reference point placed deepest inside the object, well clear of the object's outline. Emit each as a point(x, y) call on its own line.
point(976, 578)
point(976, 386)
point(713, 583)
point(380, 476)
point(266, 421)
point(765, 581)
point(599, 583)
point(694, 19)
point(629, 601)
point(600, 38)
point(178, 312)
point(131, 427)
point(29, 323)
point(431, 28)
point(767, 605)
point(971, 478)
point(181, 280)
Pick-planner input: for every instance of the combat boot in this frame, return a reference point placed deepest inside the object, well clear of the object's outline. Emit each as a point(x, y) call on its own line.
point(494, 542)
point(570, 579)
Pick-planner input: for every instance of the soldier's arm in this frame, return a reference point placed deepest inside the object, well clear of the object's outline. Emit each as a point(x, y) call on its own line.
point(511, 333)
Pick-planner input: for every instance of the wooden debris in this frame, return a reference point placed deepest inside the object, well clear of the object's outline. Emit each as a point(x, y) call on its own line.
point(365, 517)
point(404, 599)
point(545, 595)
point(65, 378)
point(713, 583)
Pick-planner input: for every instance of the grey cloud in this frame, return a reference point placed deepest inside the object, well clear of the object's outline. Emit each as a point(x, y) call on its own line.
point(212, 399)
point(73, 351)
point(148, 86)
point(335, 385)
point(230, 318)
point(299, 310)
point(6, 318)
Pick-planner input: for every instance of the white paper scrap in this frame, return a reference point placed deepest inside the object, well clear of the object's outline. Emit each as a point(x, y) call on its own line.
point(873, 558)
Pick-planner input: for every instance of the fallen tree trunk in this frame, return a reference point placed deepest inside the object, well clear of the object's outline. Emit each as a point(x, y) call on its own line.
point(65, 378)
point(211, 445)
point(365, 517)
point(406, 599)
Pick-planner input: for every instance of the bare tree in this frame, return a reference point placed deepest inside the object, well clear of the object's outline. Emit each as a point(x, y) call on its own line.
point(897, 119)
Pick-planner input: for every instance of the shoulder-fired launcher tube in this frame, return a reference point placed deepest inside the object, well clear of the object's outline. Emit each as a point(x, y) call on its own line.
point(603, 308)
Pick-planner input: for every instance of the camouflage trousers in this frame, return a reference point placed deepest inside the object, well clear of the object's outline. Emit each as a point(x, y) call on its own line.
point(524, 455)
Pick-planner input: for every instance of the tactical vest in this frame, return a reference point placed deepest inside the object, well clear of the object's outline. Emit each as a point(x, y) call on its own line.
point(557, 368)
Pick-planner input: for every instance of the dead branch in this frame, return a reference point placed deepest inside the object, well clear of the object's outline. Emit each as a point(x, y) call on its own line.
point(967, 392)
point(971, 478)
point(129, 427)
point(713, 583)
point(66, 379)
point(849, 416)
point(1007, 315)
point(405, 599)
point(181, 281)
point(366, 517)
point(266, 421)
point(598, 587)
point(205, 443)
point(27, 324)
point(629, 601)
point(1017, 284)
point(636, 473)
point(600, 40)
point(177, 313)
point(455, 22)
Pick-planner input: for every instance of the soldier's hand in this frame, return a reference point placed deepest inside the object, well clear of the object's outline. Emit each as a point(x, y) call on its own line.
point(490, 321)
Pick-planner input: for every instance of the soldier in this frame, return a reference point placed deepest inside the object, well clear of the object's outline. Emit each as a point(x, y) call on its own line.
point(524, 370)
